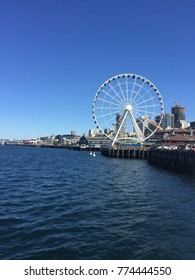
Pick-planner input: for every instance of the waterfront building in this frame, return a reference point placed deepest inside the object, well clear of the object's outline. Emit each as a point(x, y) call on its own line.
point(94, 142)
point(177, 139)
point(32, 142)
point(173, 133)
point(183, 124)
point(47, 140)
point(192, 124)
point(69, 139)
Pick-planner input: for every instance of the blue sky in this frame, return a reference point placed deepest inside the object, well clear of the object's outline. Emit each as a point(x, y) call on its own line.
point(55, 54)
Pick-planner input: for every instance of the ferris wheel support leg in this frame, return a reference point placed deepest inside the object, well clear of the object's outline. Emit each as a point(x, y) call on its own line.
point(117, 133)
point(136, 127)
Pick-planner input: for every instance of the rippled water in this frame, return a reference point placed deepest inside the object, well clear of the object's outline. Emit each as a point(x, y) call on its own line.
point(63, 204)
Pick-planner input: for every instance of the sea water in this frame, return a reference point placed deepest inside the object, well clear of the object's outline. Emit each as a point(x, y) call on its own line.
point(65, 204)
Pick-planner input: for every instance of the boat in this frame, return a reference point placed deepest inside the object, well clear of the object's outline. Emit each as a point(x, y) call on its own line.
point(93, 154)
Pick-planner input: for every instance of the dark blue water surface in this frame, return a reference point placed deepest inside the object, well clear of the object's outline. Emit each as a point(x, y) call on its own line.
point(63, 204)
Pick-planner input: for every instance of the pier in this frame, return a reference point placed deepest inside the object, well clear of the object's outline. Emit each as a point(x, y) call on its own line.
point(178, 160)
point(138, 153)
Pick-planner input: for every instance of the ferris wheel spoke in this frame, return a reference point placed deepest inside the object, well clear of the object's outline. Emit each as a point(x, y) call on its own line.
point(139, 118)
point(136, 114)
point(116, 92)
point(145, 101)
point(148, 106)
point(107, 108)
point(112, 97)
point(141, 87)
point(108, 122)
point(138, 92)
point(107, 114)
point(148, 127)
point(140, 115)
point(109, 102)
point(146, 122)
point(127, 88)
point(141, 97)
point(132, 90)
point(121, 91)
point(148, 112)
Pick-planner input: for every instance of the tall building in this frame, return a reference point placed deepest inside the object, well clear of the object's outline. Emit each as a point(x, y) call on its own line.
point(157, 119)
point(167, 121)
point(119, 118)
point(92, 133)
point(73, 132)
point(179, 115)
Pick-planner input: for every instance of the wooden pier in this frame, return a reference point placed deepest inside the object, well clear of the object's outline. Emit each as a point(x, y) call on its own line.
point(139, 153)
point(181, 161)
point(178, 160)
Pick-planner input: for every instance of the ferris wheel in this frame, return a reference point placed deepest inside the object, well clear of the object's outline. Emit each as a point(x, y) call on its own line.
point(128, 108)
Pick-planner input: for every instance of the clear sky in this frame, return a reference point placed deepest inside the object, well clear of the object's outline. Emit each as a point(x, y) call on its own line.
point(55, 54)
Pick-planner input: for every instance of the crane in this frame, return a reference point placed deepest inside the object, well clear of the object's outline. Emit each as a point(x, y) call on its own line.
point(175, 101)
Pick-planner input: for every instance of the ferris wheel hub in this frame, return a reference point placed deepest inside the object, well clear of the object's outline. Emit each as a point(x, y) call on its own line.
point(128, 107)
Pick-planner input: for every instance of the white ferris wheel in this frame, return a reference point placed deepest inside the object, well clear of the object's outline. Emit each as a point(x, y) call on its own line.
point(128, 108)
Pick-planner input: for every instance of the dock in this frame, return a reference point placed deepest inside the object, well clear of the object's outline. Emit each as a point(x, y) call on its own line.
point(179, 160)
point(138, 153)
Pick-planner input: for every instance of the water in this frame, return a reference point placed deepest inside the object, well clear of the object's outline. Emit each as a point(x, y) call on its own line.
point(63, 204)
